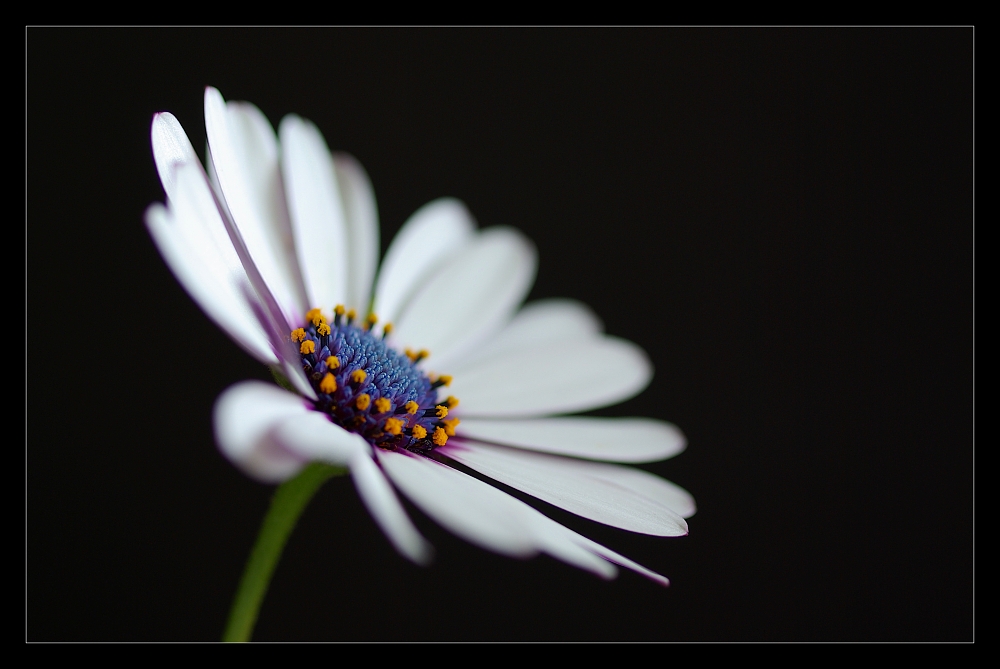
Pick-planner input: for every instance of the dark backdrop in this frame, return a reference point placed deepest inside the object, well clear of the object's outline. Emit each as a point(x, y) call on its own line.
point(782, 218)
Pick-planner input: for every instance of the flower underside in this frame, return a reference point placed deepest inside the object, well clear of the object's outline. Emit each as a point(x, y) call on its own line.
point(368, 388)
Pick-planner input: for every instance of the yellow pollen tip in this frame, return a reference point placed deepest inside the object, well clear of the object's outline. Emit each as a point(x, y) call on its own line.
point(387, 329)
point(411, 407)
point(329, 384)
point(358, 376)
point(393, 426)
point(450, 425)
point(307, 347)
point(351, 314)
point(298, 334)
point(411, 354)
point(440, 438)
point(371, 319)
point(423, 353)
point(364, 399)
point(332, 362)
point(382, 405)
point(445, 379)
point(323, 329)
point(451, 401)
point(419, 432)
point(339, 310)
point(442, 411)
point(314, 316)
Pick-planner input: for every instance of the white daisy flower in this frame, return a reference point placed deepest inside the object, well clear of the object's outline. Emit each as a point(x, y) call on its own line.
point(278, 243)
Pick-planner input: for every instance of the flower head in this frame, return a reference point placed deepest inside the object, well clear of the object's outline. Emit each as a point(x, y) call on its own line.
point(278, 243)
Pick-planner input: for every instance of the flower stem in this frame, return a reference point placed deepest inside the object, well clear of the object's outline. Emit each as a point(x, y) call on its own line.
point(289, 500)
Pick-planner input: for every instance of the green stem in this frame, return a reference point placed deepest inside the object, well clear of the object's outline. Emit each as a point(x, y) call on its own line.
point(289, 500)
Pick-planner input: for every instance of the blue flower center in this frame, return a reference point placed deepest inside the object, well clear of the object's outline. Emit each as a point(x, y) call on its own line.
point(369, 388)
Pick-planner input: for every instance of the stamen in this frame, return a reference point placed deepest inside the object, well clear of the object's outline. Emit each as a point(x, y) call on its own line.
point(338, 312)
point(323, 329)
point(329, 384)
point(440, 438)
point(443, 380)
point(393, 426)
point(386, 330)
point(449, 426)
point(411, 407)
point(419, 432)
point(298, 334)
point(440, 411)
point(307, 347)
point(332, 362)
point(370, 321)
point(451, 401)
point(364, 399)
point(382, 405)
point(351, 313)
point(359, 376)
point(314, 316)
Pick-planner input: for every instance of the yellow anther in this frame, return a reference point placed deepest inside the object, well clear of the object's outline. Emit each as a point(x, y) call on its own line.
point(328, 385)
point(332, 362)
point(351, 313)
point(387, 329)
point(423, 353)
point(444, 380)
point(393, 426)
point(449, 426)
point(323, 329)
point(382, 405)
point(359, 376)
point(411, 407)
point(440, 438)
point(364, 399)
point(370, 320)
point(307, 347)
point(339, 310)
point(298, 334)
point(314, 316)
point(442, 411)
point(451, 401)
point(419, 432)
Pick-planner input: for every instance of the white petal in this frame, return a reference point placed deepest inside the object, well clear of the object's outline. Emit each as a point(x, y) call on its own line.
point(244, 152)
point(382, 503)
point(474, 511)
point(193, 240)
point(493, 519)
point(362, 230)
point(317, 212)
point(429, 237)
point(611, 439)
point(313, 437)
point(244, 417)
point(542, 321)
point(472, 296)
point(552, 378)
point(622, 497)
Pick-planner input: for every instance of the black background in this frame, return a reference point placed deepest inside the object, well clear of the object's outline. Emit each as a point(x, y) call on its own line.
point(782, 218)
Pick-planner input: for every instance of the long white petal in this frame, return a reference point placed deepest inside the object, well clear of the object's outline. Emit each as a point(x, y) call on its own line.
point(244, 152)
point(622, 497)
point(362, 229)
point(193, 240)
point(245, 416)
point(472, 510)
point(317, 212)
point(552, 378)
point(610, 439)
point(483, 515)
point(427, 239)
point(382, 503)
point(472, 296)
point(539, 322)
